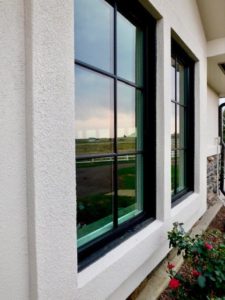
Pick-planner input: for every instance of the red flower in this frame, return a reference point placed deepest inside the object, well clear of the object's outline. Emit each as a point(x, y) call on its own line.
point(174, 283)
point(196, 273)
point(170, 266)
point(208, 246)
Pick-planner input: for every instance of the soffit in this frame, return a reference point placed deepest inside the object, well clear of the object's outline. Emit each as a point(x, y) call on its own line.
point(216, 78)
point(212, 13)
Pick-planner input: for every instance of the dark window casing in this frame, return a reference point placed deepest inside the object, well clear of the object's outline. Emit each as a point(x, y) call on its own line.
point(185, 89)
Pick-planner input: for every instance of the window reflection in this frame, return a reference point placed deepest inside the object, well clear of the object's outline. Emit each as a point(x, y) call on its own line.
point(180, 170)
point(173, 126)
point(180, 84)
point(94, 198)
point(180, 127)
point(129, 50)
point(130, 186)
point(94, 33)
point(173, 74)
point(93, 112)
point(173, 171)
point(129, 118)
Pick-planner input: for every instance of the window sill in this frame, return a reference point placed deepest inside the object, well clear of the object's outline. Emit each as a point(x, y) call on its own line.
point(113, 257)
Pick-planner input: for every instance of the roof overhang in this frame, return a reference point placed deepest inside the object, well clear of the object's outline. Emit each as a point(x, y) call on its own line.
point(213, 19)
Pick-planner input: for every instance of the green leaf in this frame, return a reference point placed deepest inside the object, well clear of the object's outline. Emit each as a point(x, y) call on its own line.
point(201, 281)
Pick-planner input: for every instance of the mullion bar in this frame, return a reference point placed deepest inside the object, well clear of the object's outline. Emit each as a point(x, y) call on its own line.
point(175, 168)
point(181, 148)
point(82, 157)
point(115, 176)
point(178, 103)
point(113, 76)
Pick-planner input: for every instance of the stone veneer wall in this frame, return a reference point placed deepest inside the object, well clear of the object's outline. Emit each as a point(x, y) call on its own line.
point(212, 179)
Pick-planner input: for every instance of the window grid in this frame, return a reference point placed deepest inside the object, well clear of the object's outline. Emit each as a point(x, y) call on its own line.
point(136, 15)
point(115, 155)
point(185, 133)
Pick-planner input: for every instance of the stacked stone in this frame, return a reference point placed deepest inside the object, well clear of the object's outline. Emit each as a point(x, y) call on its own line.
point(212, 179)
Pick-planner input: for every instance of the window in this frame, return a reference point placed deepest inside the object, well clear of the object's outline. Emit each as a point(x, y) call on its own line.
point(182, 122)
point(114, 122)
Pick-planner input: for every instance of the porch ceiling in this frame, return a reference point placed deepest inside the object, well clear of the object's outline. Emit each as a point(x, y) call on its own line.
point(216, 78)
point(212, 14)
point(213, 18)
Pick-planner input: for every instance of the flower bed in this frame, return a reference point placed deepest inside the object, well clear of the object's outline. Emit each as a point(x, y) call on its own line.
point(203, 274)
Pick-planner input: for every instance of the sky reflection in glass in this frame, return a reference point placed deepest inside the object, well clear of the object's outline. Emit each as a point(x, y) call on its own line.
point(94, 33)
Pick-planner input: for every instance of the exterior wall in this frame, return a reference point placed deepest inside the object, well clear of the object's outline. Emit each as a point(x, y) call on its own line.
point(212, 121)
point(41, 145)
point(13, 201)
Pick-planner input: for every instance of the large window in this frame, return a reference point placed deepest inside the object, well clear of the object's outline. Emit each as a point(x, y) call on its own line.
point(182, 123)
point(114, 120)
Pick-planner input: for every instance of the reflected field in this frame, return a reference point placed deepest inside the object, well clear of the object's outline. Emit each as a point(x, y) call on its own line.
point(95, 191)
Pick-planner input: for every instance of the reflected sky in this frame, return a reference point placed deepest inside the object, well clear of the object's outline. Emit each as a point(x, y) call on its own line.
point(94, 33)
point(126, 110)
point(126, 48)
point(94, 105)
point(94, 115)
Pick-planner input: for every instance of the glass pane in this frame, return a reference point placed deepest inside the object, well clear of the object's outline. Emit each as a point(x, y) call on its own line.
point(180, 84)
point(180, 127)
point(93, 113)
point(129, 118)
point(130, 186)
point(180, 171)
point(94, 198)
point(173, 79)
point(173, 127)
point(129, 50)
point(94, 33)
point(173, 171)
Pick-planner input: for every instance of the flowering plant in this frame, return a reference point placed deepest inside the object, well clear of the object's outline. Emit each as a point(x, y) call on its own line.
point(204, 256)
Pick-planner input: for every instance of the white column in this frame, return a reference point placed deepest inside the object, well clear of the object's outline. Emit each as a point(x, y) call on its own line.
point(50, 148)
point(163, 121)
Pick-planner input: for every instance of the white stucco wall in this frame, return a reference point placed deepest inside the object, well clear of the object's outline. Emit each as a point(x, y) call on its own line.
point(37, 139)
point(212, 121)
point(13, 201)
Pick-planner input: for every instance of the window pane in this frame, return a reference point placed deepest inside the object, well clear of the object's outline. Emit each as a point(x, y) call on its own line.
point(173, 79)
point(173, 126)
point(180, 84)
point(129, 50)
point(130, 186)
point(129, 118)
point(173, 171)
point(94, 33)
point(181, 171)
point(93, 113)
point(94, 198)
point(180, 127)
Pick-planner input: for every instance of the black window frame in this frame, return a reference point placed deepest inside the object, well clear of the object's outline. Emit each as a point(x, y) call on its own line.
point(135, 13)
point(180, 55)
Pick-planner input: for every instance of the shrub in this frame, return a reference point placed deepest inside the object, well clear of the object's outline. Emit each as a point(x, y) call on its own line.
point(205, 259)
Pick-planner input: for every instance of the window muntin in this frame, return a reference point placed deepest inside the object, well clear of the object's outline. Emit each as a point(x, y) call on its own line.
point(109, 119)
point(182, 123)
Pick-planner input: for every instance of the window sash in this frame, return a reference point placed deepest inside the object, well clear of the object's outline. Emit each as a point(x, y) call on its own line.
point(182, 142)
